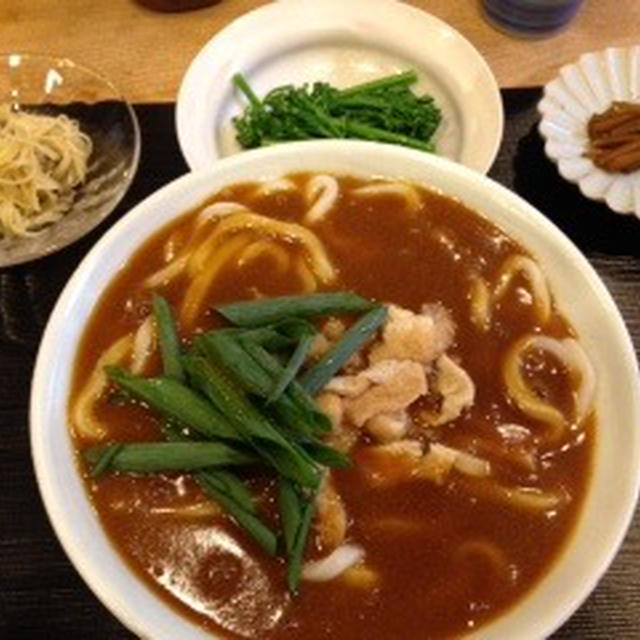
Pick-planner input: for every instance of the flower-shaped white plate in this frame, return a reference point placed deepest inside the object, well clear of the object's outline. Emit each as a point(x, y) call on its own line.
point(581, 90)
point(343, 42)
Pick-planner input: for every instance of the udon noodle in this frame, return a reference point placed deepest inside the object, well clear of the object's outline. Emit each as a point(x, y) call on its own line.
point(469, 416)
point(484, 298)
point(570, 355)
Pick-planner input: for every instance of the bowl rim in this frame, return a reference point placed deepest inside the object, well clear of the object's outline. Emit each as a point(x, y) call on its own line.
point(65, 62)
point(344, 150)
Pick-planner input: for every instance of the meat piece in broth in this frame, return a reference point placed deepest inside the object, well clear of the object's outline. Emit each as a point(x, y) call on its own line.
point(343, 435)
point(348, 386)
point(421, 337)
point(387, 427)
point(378, 397)
point(386, 465)
point(397, 384)
point(331, 522)
point(456, 389)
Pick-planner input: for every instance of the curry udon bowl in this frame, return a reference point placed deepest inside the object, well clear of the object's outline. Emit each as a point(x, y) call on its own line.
point(580, 295)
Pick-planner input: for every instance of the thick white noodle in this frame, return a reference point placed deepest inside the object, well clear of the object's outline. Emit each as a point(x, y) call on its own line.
point(532, 500)
point(167, 273)
point(218, 209)
point(494, 555)
point(189, 512)
point(307, 279)
point(440, 460)
point(532, 272)
point(472, 465)
point(575, 359)
point(569, 352)
point(484, 300)
point(144, 342)
point(287, 231)
point(84, 422)
point(178, 263)
point(336, 563)
point(400, 189)
point(195, 294)
point(521, 393)
point(512, 432)
point(265, 247)
point(269, 187)
point(322, 193)
point(481, 303)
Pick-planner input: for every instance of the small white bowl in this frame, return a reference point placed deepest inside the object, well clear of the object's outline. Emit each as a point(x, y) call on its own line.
point(343, 43)
point(581, 90)
point(582, 296)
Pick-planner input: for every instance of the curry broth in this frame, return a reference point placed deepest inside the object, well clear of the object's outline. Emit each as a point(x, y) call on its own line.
point(413, 533)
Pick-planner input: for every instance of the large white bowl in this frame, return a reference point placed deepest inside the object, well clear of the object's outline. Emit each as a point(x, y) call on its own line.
point(582, 297)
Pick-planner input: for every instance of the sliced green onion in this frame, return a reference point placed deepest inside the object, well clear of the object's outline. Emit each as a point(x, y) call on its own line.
point(176, 402)
point(293, 366)
point(352, 341)
point(154, 457)
point(290, 513)
point(295, 559)
point(257, 431)
point(105, 459)
point(168, 339)
point(326, 455)
point(217, 486)
point(267, 337)
point(235, 488)
point(296, 407)
point(252, 313)
point(235, 356)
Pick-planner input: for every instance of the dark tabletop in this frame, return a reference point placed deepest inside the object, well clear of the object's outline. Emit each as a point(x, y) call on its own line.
point(41, 596)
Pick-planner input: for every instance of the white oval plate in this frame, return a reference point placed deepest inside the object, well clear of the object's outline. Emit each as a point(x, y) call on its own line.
point(343, 42)
point(581, 90)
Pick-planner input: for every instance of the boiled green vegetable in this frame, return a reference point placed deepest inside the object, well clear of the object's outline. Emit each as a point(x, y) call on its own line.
point(385, 110)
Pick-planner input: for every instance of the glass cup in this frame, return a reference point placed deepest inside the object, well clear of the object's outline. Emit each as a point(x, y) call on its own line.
point(531, 18)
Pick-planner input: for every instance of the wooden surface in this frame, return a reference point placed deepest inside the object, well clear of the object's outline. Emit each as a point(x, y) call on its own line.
point(146, 53)
point(42, 596)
